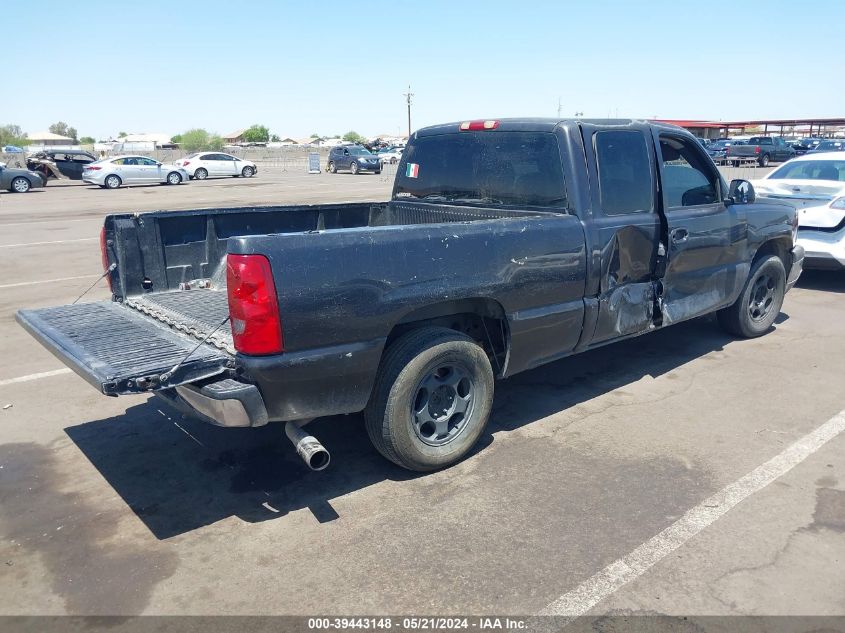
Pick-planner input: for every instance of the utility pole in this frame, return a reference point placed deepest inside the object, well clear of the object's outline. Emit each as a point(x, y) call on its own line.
point(559, 107)
point(408, 96)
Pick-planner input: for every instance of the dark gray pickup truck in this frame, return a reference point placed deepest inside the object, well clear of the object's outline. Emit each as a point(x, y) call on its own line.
point(505, 245)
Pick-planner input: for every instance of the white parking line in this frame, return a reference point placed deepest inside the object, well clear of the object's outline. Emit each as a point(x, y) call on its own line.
point(616, 575)
point(81, 239)
point(56, 220)
point(27, 378)
point(45, 281)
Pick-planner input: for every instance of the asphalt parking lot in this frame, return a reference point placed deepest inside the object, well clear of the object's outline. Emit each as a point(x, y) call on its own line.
point(121, 506)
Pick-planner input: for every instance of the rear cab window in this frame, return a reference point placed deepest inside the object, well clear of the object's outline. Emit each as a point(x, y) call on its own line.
point(625, 175)
point(493, 168)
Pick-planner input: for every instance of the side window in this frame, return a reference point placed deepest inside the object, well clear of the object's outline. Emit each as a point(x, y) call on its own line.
point(688, 179)
point(149, 162)
point(119, 161)
point(625, 183)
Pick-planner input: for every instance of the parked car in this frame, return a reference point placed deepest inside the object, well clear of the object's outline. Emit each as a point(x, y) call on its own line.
point(765, 149)
point(12, 149)
point(354, 158)
point(718, 149)
point(506, 245)
point(814, 184)
point(69, 163)
point(202, 165)
point(804, 145)
point(19, 180)
point(390, 155)
point(829, 145)
point(111, 173)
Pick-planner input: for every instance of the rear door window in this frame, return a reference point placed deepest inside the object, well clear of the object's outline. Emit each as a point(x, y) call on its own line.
point(489, 167)
point(625, 181)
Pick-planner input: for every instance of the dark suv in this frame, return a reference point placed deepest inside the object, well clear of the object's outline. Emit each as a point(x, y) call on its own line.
point(354, 158)
point(69, 162)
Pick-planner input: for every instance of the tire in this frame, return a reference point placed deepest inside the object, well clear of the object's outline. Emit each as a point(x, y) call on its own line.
point(424, 368)
point(247, 172)
point(201, 174)
point(760, 301)
point(332, 168)
point(112, 182)
point(393, 161)
point(20, 185)
point(173, 178)
point(764, 160)
point(377, 171)
point(353, 168)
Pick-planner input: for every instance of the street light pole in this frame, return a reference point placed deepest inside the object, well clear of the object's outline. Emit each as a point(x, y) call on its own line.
point(408, 96)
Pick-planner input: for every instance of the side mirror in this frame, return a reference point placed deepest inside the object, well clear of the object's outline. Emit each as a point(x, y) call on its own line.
point(741, 192)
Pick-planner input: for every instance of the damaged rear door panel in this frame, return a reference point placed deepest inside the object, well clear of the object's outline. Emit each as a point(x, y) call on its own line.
point(625, 228)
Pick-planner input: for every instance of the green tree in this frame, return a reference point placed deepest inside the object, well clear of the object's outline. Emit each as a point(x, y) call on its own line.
point(176, 139)
point(63, 129)
point(215, 141)
point(122, 135)
point(314, 136)
point(257, 134)
point(195, 140)
point(87, 140)
point(275, 138)
point(353, 137)
point(12, 135)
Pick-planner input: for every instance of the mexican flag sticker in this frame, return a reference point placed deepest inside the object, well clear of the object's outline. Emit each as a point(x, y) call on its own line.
point(412, 170)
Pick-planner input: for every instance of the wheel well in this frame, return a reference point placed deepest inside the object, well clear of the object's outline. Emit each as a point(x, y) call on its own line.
point(777, 246)
point(483, 320)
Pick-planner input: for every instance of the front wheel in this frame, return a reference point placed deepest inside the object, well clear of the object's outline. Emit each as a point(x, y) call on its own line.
point(431, 400)
point(247, 172)
point(332, 168)
point(174, 178)
point(353, 167)
point(20, 185)
point(760, 301)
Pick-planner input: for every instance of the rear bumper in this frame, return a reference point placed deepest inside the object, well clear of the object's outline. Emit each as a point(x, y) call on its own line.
point(225, 402)
point(797, 266)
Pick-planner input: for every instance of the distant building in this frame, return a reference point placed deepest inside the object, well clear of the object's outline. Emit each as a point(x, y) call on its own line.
point(48, 139)
point(157, 138)
point(233, 138)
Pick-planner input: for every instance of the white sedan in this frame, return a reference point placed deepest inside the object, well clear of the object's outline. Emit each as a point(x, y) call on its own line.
point(111, 173)
point(202, 165)
point(390, 155)
point(815, 185)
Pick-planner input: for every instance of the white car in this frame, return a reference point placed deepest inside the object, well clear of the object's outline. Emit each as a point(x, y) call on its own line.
point(202, 165)
point(390, 155)
point(111, 173)
point(815, 185)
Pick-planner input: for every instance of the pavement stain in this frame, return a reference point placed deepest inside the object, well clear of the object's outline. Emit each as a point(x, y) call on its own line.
point(830, 510)
point(94, 566)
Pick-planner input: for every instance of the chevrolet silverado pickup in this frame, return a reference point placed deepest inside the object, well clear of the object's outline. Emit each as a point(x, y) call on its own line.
point(506, 244)
point(763, 149)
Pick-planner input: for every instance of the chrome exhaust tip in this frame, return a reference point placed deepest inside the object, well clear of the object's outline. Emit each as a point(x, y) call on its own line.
point(307, 447)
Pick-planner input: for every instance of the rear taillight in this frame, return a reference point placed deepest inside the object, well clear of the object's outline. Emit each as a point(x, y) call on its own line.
point(253, 306)
point(757, 150)
point(91, 167)
point(474, 126)
point(104, 254)
point(185, 163)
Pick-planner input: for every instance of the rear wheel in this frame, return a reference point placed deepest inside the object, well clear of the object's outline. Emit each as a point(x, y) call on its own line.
point(393, 161)
point(173, 178)
point(760, 301)
point(112, 182)
point(247, 172)
point(431, 400)
point(20, 185)
point(353, 167)
point(764, 160)
point(201, 173)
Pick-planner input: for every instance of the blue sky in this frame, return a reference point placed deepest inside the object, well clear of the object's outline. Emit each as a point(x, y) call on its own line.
point(330, 67)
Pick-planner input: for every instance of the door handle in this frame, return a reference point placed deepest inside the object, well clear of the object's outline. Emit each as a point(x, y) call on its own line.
point(679, 235)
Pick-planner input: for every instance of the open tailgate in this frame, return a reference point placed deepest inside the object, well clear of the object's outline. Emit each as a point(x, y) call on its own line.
point(119, 350)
